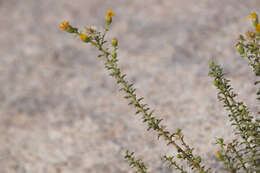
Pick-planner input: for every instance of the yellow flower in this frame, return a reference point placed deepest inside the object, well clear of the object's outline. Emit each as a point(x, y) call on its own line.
point(109, 14)
point(83, 37)
point(258, 28)
point(254, 18)
point(219, 155)
point(253, 15)
point(64, 25)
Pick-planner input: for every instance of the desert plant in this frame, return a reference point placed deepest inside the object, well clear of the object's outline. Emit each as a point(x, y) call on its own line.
point(242, 154)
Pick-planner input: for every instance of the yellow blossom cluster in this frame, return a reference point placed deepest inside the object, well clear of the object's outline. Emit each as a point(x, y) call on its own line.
point(90, 31)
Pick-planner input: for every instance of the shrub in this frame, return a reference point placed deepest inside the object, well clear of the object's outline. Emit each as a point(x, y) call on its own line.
point(241, 154)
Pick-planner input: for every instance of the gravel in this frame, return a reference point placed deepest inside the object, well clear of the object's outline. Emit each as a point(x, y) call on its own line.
point(61, 113)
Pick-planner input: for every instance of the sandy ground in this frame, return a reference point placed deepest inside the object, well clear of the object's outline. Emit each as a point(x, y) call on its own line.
point(61, 113)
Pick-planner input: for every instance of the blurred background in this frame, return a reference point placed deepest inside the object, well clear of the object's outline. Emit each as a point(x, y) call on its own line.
point(60, 112)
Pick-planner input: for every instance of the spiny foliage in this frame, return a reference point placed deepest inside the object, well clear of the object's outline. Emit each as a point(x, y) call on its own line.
point(240, 155)
point(243, 152)
point(249, 48)
point(137, 164)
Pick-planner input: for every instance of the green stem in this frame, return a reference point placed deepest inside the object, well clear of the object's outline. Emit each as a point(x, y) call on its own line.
point(141, 108)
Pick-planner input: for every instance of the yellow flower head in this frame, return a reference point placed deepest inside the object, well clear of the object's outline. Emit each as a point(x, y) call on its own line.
point(258, 28)
point(254, 18)
point(64, 25)
point(253, 15)
point(219, 156)
point(83, 37)
point(109, 14)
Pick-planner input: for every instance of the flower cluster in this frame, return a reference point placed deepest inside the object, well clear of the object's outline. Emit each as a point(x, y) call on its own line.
point(90, 34)
point(248, 47)
point(241, 154)
point(176, 139)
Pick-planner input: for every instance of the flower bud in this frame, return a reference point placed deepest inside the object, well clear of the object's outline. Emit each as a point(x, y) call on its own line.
point(114, 42)
point(198, 159)
point(254, 18)
point(109, 16)
point(84, 37)
point(240, 49)
point(241, 37)
point(215, 83)
point(219, 155)
point(64, 25)
point(178, 156)
point(113, 54)
point(211, 63)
